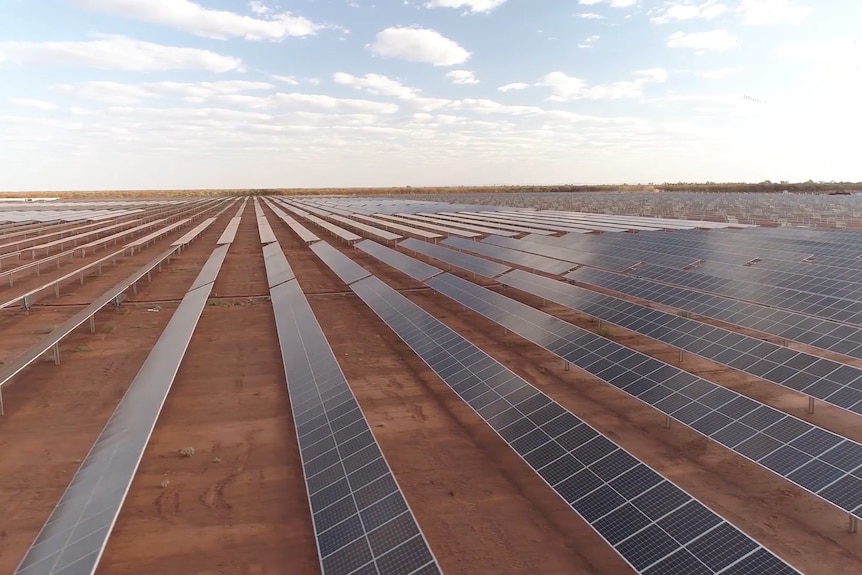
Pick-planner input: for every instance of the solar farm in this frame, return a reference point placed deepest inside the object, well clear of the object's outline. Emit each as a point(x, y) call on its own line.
point(661, 384)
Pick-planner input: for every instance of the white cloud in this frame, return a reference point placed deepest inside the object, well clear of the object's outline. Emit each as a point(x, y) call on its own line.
point(286, 79)
point(762, 12)
point(719, 73)
point(377, 84)
point(32, 103)
point(462, 77)
point(657, 75)
point(566, 88)
point(712, 40)
point(109, 52)
point(193, 18)
point(259, 7)
point(590, 16)
point(473, 6)
point(588, 41)
point(418, 45)
point(513, 86)
point(611, 3)
point(689, 10)
point(336, 104)
point(118, 94)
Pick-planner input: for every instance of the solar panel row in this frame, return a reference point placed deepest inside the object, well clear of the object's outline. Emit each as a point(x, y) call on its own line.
point(831, 381)
point(477, 265)
point(655, 526)
point(823, 306)
point(821, 333)
point(73, 538)
point(547, 247)
point(536, 262)
point(817, 460)
point(412, 267)
point(362, 521)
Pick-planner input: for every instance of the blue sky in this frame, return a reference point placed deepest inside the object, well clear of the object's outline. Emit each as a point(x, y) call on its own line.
point(147, 94)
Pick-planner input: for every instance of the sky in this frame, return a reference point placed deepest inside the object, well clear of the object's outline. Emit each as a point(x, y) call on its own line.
point(175, 94)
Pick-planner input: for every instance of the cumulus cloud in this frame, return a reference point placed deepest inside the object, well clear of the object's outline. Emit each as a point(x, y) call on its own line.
point(513, 86)
point(377, 84)
point(259, 7)
point(588, 41)
point(689, 10)
point(286, 79)
point(32, 103)
point(119, 94)
point(473, 6)
point(762, 12)
point(566, 88)
point(336, 104)
point(110, 52)
point(462, 77)
point(193, 18)
point(719, 73)
point(590, 16)
point(713, 40)
point(611, 3)
point(418, 45)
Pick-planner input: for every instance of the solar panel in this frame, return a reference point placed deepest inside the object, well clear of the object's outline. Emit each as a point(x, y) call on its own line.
point(73, 538)
point(361, 519)
point(823, 333)
point(761, 433)
point(229, 234)
point(278, 270)
point(474, 264)
point(536, 262)
point(824, 379)
point(344, 267)
point(640, 514)
point(414, 268)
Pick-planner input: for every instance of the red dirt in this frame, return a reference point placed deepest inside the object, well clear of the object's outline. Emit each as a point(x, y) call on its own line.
point(238, 506)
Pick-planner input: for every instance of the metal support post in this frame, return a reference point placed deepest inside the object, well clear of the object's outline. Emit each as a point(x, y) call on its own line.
point(57, 354)
point(92, 324)
point(57, 289)
point(135, 288)
point(810, 404)
point(566, 365)
point(681, 355)
point(667, 422)
point(852, 527)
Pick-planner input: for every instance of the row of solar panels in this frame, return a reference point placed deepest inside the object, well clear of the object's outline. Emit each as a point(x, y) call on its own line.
point(655, 526)
point(74, 537)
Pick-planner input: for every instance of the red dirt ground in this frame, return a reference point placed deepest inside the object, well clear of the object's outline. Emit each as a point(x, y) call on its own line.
point(238, 506)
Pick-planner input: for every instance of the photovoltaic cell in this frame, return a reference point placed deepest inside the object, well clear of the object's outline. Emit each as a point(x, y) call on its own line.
point(361, 519)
